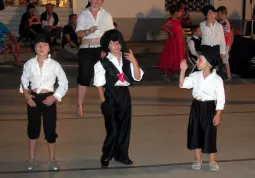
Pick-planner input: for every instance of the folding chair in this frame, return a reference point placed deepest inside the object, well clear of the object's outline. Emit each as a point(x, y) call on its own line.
point(190, 58)
point(193, 63)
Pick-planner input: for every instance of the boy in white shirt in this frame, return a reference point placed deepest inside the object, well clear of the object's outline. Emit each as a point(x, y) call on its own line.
point(37, 83)
point(213, 37)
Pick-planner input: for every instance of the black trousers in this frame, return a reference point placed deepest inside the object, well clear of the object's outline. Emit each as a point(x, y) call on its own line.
point(117, 114)
point(49, 114)
point(88, 57)
point(201, 131)
point(216, 51)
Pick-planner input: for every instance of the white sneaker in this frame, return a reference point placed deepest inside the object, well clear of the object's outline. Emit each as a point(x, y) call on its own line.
point(214, 167)
point(196, 166)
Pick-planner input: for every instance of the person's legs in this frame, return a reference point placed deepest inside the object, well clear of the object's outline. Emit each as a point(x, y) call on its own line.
point(33, 130)
point(49, 126)
point(72, 51)
point(110, 118)
point(226, 62)
point(124, 126)
point(87, 59)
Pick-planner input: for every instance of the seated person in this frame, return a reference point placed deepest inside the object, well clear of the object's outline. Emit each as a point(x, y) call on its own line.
point(8, 42)
point(194, 43)
point(30, 24)
point(49, 20)
point(70, 40)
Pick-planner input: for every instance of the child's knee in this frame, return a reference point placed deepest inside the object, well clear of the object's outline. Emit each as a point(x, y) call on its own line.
point(51, 137)
point(33, 134)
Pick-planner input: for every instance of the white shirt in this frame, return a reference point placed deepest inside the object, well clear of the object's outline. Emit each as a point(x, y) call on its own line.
point(213, 35)
point(206, 89)
point(191, 45)
point(99, 79)
point(45, 22)
point(45, 77)
point(103, 22)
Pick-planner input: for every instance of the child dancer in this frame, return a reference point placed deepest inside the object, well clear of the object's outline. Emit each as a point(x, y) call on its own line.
point(37, 84)
point(213, 36)
point(115, 73)
point(173, 51)
point(222, 14)
point(205, 113)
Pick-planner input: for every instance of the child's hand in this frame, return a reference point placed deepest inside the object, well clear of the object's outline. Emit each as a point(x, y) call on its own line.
point(49, 100)
point(130, 56)
point(216, 120)
point(183, 65)
point(30, 100)
point(102, 55)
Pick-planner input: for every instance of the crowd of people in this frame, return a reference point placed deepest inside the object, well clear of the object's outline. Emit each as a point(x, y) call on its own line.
point(214, 33)
point(31, 25)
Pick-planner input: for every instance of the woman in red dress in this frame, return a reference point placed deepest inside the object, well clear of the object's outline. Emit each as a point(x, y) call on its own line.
point(173, 52)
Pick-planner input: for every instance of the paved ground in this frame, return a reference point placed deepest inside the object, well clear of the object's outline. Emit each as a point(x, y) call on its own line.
point(158, 140)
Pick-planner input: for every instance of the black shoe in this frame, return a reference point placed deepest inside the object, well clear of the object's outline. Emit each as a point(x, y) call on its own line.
point(104, 163)
point(126, 162)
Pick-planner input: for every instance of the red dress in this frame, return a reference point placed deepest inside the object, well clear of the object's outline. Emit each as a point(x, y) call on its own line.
point(173, 52)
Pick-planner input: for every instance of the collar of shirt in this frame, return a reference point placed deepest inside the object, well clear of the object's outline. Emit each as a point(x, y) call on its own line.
point(118, 64)
point(196, 37)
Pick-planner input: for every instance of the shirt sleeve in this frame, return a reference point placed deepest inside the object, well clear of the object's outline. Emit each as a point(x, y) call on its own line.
point(99, 78)
point(62, 83)
point(206, 31)
point(133, 74)
point(192, 48)
point(220, 95)
point(66, 30)
point(109, 25)
point(25, 77)
point(80, 23)
point(188, 81)
point(222, 40)
point(4, 29)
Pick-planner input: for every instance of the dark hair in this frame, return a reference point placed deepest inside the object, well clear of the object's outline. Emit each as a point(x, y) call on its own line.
point(88, 5)
point(30, 6)
point(194, 28)
point(223, 10)
point(43, 38)
point(182, 2)
point(173, 9)
point(206, 9)
point(115, 24)
point(71, 16)
point(112, 35)
point(49, 4)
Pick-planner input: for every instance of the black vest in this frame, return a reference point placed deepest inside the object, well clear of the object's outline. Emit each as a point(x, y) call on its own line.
point(111, 72)
point(197, 43)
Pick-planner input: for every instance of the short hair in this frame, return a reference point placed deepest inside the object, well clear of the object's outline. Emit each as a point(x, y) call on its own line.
point(194, 29)
point(112, 35)
point(223, 10)
point(173, 9)
point(49, 4)
point(71, 16)
point(182, 2)
point(115, 24)
point(31, 6)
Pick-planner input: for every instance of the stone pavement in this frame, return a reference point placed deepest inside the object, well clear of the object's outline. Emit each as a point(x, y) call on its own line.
point(158, 139)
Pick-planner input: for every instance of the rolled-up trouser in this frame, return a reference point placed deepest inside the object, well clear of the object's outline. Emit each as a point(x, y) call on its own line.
point(49, 114)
